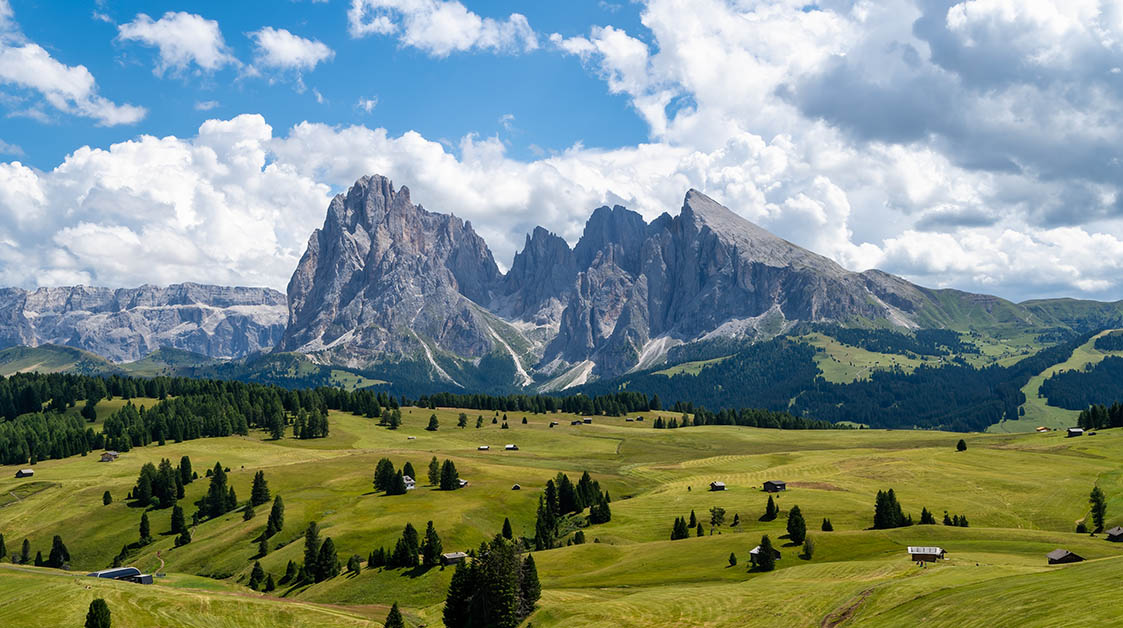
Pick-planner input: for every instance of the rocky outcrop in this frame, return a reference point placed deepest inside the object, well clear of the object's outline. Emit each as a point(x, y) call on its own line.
point(385, 279)
point(126, 324)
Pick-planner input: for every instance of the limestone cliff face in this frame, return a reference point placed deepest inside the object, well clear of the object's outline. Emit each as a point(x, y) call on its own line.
point(385, 278)
point(128, 323)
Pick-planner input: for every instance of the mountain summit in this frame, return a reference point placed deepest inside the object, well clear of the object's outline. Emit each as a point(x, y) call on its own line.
point(386, 281)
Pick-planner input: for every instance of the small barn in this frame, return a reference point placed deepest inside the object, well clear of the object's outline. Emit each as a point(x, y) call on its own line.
point(775, 486)
point(629, 420)
point(586, 420)
point(754, 553)
point(511, 447)
point(411, 438)
point(1074, 431)
point(1115, 535)
point(553, 423)
point(483, 447)
point(410, 482)
point(717, 486)
point(639, 418)
point(1042, 428)
point(462, 482)
point(452, 558)
point(926, 554)
point(25, 473)
point(108, 456)
point(577, 422)
point(516, 488)
point(1063, 557)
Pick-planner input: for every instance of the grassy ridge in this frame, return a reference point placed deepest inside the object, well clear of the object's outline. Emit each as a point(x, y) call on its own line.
point(1022, 493)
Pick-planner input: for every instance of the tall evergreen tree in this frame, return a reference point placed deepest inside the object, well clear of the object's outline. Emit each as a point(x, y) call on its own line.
point(530, 590)
point(961, 445)
point(766, 557)
point(218, 494)
point(98, 615)
point(247, 512)
point(327, 563)
point(106, 498)
point(394, 618)
point(434, 472)
point(431, 547)
point(1099, 508)
point(407, 469)
point(693, 520)
point(145, 529)
point(259, 493)
point(771, 511)
point(458, 602)
point(406, 550)
point(827, 525)
point(185, 473)
point(383, 474)
point(257, 576)
point(276, 517)
point(450, 478)
point(59, 555)
point(507, 533)
point(433, 423)
point(926, 517)
point(797, 527)
point(3, 548)
point(25, 552)
point(397, 485)
point(311, 547)
point(354, 565)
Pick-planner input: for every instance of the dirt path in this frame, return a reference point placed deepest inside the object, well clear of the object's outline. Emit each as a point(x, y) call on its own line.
point(843, 614)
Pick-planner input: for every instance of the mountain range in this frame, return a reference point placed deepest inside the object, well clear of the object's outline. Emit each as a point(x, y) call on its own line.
point(391, 289)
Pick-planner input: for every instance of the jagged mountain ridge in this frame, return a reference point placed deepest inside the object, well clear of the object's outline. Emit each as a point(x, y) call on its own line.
point(388, 281)
point(126, 324)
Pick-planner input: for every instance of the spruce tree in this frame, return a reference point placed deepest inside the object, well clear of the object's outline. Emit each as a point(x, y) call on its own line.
point(39, 562)
point(3, 548)
point(106, 498)
point(699, 531)
point(59, 555)
point(394, 618)
point(434, 472)
point(458, 602)
point(732, 559)
point(433, 423)
point(185, 473)
point(507, 532)
point(431, 547)
point(25, 552)
point(247, 512)
point(98, 615)
point(450, 478)
point(926, 517)
point(407, 469)
point(827, 525)
point(462, 421)
point(256, 576)
point(354, 565)
point(808, 549)
point(530, 590)
point(397, 485)
point(311, 547)
point(1099, 508)
point(259, 493)
point(291, 571)
point(961, 445)
point(218, 494)
point(797, 527)
point(766, 557)
point(269, 583)
point(947, 519)
point(770, 510)
point(145, 530)
point(183, 539)
point(327, 563)
point(694, 520)
point(276, 517)
point(383, 474)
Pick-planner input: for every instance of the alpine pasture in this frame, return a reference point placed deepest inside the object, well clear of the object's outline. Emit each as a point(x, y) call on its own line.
point(1022, 493)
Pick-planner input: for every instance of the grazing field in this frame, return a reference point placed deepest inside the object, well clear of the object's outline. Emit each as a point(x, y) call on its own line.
point(1022, 493)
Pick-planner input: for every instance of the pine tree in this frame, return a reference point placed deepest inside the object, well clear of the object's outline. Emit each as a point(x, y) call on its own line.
point(185, 474)
point(431, 547)
point(276, 517)
point(600, 512)
point(383, 474)
point(732, 559)
point(311, 547)
point(699, 531)
point(434, 472)
point(354, 565)
point(106, 498)
point(530, 590)
point(39, 562)
point(291, 571)
point(218, 494)
point(450, 478)
point(269, 583)
point(259, 493)
point(947, 519)
point(770, 511)
point(1099, 508)
point(406, 550)
point(926, 517)
point(736, 520)
point(433, 423)
point(25, 552)
point(247, 512)
point(256, 576)
point(394, 618)
point(183, 539)
point(98, 615)
point(766, 557)
point(407, 469)
point(145, 530)
point(458, 602)
point(507, 532)
point(3, 548)
point(462, 421)
point(827, 525)
point(327, 563)
point(797, 527)
point(59, 555)
point(808, 549)
point(693, 520)
point(397, 485)
point(961, 445)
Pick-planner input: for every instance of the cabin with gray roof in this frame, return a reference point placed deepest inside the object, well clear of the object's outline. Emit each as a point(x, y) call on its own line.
point(927, 554)
point(1063, 557)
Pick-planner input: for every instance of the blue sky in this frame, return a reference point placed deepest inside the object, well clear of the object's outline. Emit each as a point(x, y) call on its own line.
point(960, 143)
point(442, 98)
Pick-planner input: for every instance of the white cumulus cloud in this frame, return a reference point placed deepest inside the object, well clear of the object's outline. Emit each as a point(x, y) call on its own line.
point(181, 39)
point(278, 48)
point(440, 27)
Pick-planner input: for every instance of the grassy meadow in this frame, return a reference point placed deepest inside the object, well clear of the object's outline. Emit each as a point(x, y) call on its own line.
point(1022, 493)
